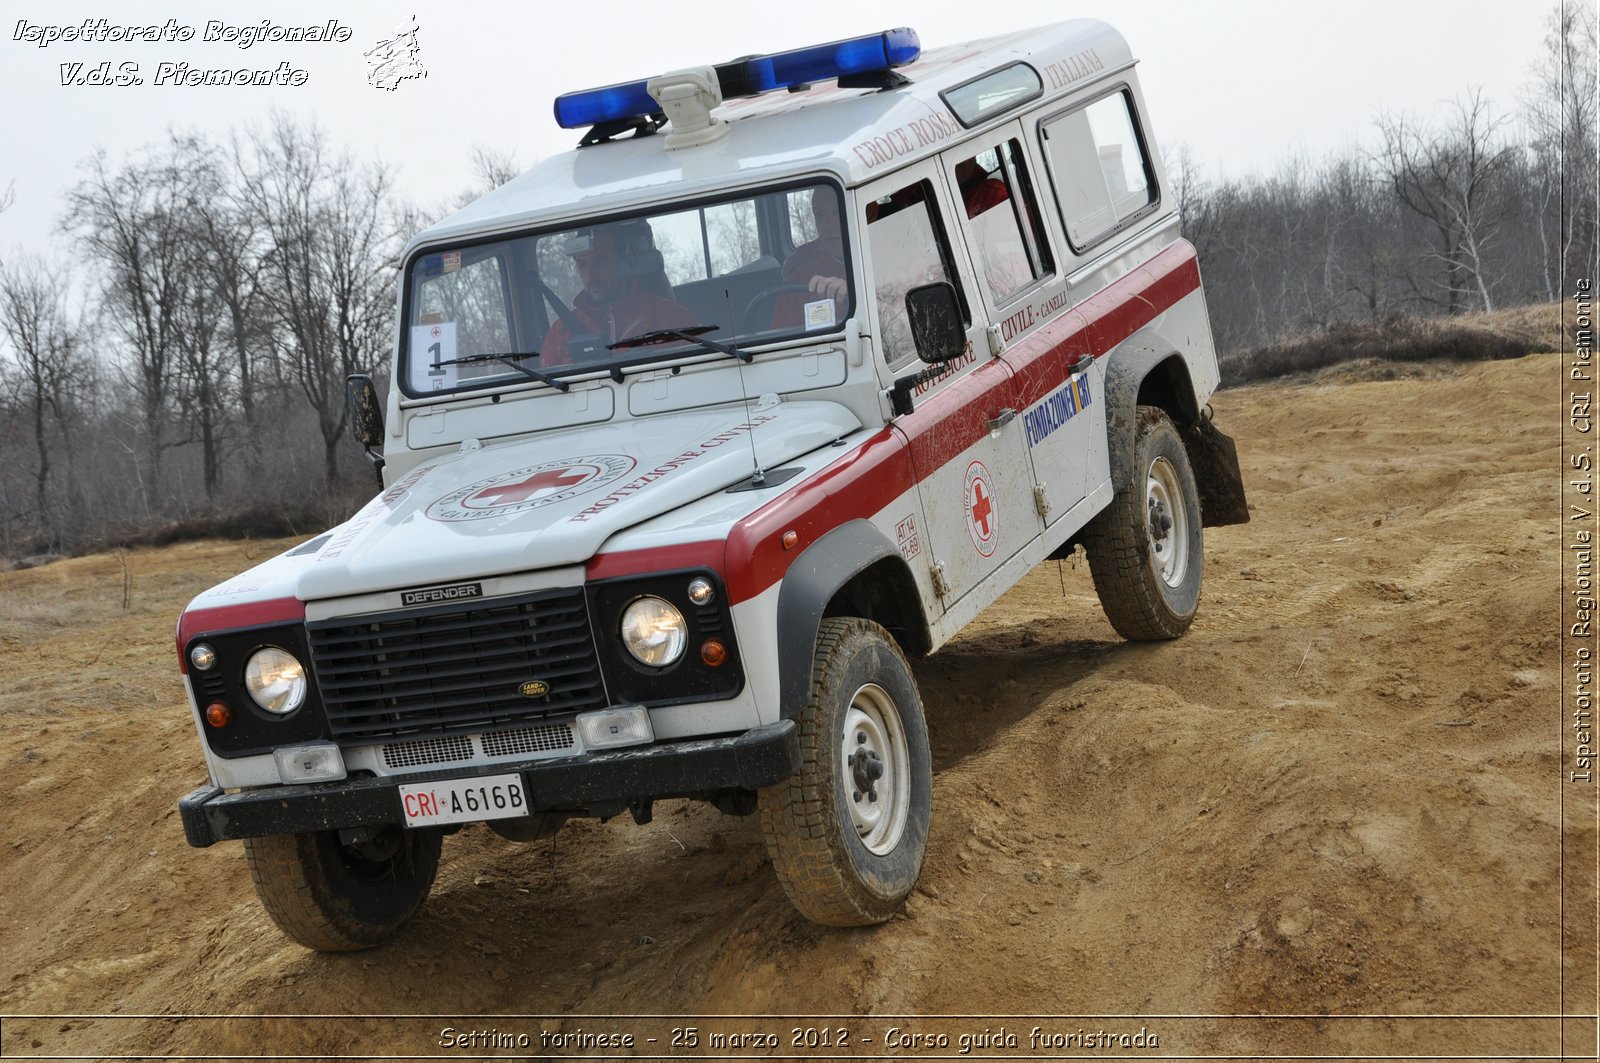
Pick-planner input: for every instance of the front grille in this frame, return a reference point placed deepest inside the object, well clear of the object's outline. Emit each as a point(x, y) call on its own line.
point(541, 739)
point(449, 669)
point(428, 751)
point(423, 752)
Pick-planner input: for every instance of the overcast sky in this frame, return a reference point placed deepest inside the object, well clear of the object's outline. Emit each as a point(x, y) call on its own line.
point(1243, 84)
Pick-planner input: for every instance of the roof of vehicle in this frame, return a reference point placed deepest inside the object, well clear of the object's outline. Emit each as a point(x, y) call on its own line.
point(853, 134)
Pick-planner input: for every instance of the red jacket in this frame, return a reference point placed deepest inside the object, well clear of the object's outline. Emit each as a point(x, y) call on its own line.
point(636, 312)
point(983, 195)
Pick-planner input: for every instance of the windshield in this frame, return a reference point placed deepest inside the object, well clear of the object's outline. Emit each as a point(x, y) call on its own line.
point(762, 268)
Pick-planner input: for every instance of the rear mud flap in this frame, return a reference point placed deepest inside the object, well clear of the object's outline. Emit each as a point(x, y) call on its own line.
point(1215, 461)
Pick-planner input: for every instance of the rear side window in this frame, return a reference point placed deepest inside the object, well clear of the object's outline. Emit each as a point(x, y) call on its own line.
point(1098, 167)
point(1003, 219)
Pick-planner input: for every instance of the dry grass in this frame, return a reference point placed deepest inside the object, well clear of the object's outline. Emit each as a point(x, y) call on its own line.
point(1541, 322)
point(1398, 339)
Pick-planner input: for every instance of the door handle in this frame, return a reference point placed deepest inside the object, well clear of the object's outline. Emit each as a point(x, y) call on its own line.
point(1003, 418)
point(1081, 363)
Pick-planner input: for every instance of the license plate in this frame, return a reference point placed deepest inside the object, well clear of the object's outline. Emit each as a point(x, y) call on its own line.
point(431, 804)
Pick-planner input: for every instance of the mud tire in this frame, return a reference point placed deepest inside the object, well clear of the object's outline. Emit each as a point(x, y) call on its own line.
point(843, 862)
point(1150, 586)
point(329, 897)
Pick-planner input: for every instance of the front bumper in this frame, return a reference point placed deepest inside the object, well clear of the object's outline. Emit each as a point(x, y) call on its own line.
point(594, 783)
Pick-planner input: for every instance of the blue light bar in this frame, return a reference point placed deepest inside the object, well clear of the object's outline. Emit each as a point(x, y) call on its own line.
point(749, 77)
point(859, 55)
point(575, 110)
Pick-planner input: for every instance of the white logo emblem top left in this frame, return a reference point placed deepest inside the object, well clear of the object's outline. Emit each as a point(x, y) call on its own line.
point(531, 487)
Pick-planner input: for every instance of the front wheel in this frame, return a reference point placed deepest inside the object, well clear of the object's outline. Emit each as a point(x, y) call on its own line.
point(338, 893)
point(1145, 548)
point(847, 833)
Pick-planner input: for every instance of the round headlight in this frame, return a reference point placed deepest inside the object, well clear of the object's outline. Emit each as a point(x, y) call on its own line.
point(654, 631)
point(275, 680)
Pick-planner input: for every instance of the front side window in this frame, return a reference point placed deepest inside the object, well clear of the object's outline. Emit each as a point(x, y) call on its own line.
point(751, 270)
point(1099, 169)
point(909, 250)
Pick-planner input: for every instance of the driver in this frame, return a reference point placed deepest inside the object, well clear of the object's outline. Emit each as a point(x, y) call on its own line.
point(819, 265)
point(613, 262)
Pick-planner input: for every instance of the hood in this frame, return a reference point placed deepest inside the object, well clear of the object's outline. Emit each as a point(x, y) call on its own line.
point(555, 498)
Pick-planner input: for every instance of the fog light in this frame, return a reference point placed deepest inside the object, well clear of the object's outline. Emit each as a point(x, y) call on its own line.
point(713, 652)
point(203, 657)
point(625, 726)
point(218, 714)
point(318, 762)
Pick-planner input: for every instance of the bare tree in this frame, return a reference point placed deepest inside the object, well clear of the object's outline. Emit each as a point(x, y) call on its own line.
point(493, 167)
point(45, 341)
point(132, 222)
point(1562, 107)
point(1452, 179)
point(328, 266)
point(1191, 191)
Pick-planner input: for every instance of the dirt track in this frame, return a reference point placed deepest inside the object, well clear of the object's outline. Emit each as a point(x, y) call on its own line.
point(1338, 794)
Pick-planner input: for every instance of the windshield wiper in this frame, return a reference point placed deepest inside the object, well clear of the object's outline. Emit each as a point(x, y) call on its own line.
point(688, 334)
point(510, 361)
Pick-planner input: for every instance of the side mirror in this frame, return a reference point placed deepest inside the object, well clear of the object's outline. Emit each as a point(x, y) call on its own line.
point(936, 325)
point(366, 410)
point(366, 418)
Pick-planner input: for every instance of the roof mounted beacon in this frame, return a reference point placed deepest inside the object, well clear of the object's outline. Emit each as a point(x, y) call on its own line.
point(687, 97)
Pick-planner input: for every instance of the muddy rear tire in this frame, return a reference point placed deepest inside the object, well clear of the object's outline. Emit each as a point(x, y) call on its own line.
point(336, 897)
point(1145, 549)
point(847, 833)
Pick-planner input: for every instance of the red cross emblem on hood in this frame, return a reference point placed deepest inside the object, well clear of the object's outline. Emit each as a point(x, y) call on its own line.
point(522, 490)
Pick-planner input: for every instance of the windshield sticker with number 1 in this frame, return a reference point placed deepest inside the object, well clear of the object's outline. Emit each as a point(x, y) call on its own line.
point(430, 345)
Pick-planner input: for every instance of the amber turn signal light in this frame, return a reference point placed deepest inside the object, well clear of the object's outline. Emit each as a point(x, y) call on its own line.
point(713, 652)
point(218, 714)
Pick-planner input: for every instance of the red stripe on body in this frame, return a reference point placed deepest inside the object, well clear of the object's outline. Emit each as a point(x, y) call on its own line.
point(912, 448)
point(195, 622)
point(656, 559)
point(855, 487)
point(1102, 321)
point(957, 416)
point(1132, 302)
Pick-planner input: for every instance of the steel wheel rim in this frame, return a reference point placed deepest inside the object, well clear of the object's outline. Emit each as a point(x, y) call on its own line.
point(879, 802)
point(1169, 547)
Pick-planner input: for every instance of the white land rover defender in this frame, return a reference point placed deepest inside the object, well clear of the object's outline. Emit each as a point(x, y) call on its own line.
point(696, 435)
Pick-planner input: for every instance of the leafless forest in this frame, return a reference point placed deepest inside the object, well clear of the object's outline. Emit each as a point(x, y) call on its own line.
point(180, 363)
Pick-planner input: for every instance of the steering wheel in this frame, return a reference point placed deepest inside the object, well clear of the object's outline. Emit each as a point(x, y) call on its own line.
point(764, 299)
point(575, 325)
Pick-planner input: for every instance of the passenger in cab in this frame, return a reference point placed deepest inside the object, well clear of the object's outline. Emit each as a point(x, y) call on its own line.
point(625, 293)
point(979, 191)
